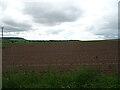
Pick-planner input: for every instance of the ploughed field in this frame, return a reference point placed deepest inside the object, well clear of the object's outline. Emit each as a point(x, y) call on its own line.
point(61, 56)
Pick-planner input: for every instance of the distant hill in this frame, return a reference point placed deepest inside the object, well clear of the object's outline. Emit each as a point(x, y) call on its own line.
point(13, 38)
point(19, 39)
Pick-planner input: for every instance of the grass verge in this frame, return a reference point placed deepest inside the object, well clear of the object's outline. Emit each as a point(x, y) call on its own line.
point(76, 79)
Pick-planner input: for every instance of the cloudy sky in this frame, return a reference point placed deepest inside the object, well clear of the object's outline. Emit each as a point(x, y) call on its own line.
point(60, 19)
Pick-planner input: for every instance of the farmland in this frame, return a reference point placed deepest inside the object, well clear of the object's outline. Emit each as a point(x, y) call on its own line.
point(61, 57)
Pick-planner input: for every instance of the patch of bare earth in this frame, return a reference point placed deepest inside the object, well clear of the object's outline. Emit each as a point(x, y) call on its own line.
point(62, 56)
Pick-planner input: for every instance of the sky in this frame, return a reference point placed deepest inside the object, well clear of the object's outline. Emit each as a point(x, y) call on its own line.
point(60, 19)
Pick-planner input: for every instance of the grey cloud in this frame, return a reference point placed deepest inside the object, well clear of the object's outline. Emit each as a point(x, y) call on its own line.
point(9, 35)
point(52, 14)
point(54, 31)
point(14, 26)
point(109, 29)
point(8, 28)
point(107, 33)
point(112, 23)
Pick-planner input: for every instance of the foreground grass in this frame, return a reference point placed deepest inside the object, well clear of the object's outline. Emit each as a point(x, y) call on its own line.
point(77, 79)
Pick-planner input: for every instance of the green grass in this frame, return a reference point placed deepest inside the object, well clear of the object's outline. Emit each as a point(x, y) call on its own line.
point(12, 42)
point(77, 79)
point(27, 42)
point(17, 39)
point(19, 42)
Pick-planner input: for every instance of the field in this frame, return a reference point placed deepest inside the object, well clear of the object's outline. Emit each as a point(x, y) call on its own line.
point(61, 57)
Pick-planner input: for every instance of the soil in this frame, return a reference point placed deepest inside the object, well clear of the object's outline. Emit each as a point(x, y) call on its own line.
point(61, 56)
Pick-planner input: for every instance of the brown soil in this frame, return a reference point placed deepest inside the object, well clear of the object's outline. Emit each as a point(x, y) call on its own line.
point(62, 56)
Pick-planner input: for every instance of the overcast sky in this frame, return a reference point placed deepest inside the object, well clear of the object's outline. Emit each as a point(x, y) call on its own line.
point(60, 19)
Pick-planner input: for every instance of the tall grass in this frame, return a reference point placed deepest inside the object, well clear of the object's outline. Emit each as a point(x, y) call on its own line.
point(77, 79)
